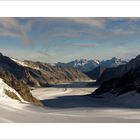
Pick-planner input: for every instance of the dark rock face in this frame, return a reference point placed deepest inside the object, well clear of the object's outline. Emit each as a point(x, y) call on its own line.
point(41, 77)
point(127, 80)
point(95, 73)
point(117, 72)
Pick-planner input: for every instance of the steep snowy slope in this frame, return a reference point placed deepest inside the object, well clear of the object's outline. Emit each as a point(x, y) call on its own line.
point(15, 89)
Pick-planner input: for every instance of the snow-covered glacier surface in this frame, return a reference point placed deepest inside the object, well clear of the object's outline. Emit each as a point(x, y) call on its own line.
point(68, 103)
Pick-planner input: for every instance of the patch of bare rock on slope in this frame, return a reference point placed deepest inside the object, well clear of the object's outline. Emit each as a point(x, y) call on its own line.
point(21, 88)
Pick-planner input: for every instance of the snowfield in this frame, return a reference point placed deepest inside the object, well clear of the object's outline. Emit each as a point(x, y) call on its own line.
point(68, 103)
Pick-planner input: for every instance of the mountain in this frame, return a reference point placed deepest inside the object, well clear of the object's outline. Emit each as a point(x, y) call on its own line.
point(93, 68)
point(16, 76)
point(96, 72)
point(83, 65)
point(27, 75)
point(43, 74)
point(57, 74)
point(121, 79)
point(118, 71)
point(110, 63)
point(12, 89)
point(38, 74)
point(113, 62)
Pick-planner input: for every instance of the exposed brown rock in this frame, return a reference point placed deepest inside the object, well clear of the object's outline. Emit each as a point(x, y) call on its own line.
point(39, 74)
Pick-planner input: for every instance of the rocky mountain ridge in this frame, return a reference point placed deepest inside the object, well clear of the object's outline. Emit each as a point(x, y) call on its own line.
point(121, 79)
point(39, 74)
point(119, 71)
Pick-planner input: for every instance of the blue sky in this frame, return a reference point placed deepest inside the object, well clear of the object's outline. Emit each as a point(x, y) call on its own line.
point(65, 39)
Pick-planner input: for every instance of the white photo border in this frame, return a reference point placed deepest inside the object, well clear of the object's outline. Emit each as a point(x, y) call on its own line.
point(70, 9)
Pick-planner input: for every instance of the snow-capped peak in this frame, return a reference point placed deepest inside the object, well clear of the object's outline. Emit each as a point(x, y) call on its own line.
point(85, 61)
point(113, 62)
point(81, 64)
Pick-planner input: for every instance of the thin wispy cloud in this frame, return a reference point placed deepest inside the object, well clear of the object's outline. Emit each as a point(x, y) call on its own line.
point(12, 28)
point(45, 36)
point(85, 45)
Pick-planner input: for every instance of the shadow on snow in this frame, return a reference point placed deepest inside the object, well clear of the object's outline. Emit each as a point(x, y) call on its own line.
point(83, 101)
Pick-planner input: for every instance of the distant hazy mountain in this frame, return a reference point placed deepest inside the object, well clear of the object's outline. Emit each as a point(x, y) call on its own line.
point(113, 62)
point(121, 79)
point(83, 65)
point(93, 68)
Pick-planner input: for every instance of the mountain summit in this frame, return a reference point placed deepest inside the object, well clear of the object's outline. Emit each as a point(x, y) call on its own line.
point(113, 62)
point(81, 64)
point(85, 65)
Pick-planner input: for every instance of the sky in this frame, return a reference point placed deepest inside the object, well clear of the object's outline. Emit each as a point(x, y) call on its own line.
point(63, 39)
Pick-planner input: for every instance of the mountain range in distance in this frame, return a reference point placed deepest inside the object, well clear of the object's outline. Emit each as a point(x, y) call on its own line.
point(85, 65)
point(114, 76)
point(93, 67)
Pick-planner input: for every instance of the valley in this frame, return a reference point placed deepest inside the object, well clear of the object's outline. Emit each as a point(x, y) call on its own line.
point(38, 92)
